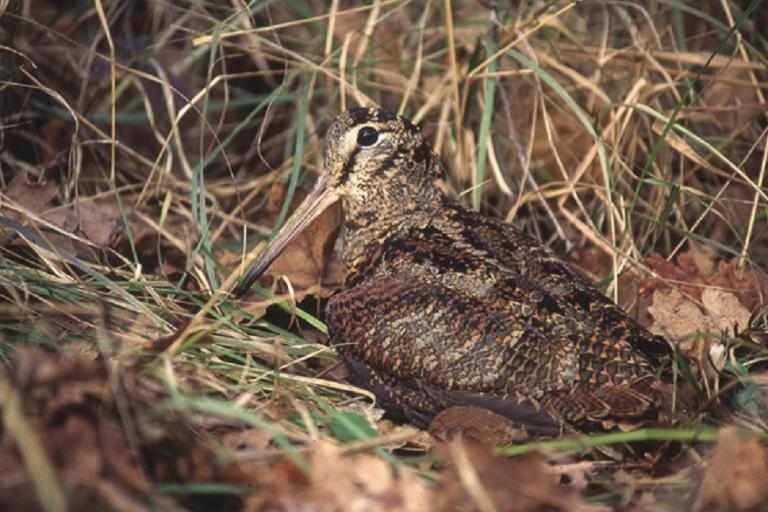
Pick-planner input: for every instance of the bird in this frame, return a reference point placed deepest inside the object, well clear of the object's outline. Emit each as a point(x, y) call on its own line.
point(445, 306)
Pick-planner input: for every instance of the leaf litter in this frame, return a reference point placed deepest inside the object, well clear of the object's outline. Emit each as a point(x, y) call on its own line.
point(102, 462)
point(78, 227)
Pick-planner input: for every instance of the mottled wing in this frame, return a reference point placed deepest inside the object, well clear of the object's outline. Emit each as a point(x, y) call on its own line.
point(421, 347)
point(528, 257)
point(479, 311)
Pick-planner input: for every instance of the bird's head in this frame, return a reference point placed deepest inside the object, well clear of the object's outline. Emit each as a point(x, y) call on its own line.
point(371, 149)
point(374, 160)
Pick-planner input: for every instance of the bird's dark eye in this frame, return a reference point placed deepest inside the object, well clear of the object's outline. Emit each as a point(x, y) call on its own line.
point(367, 136)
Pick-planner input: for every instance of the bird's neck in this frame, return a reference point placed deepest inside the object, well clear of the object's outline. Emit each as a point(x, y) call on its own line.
point(369, 225)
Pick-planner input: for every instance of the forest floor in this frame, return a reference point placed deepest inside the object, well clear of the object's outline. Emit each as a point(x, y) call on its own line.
point(150, 148)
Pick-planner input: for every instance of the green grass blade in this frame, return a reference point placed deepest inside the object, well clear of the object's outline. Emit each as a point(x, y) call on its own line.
point(485, 125)
point(582, 443)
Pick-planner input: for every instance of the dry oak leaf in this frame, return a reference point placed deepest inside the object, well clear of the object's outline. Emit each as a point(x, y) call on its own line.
point(335, 483)
point(676, 316)
point(712, 305)
point(695, 270)
point(21, 197)
point(735, 475)
point(724, 309)
point(198, 333)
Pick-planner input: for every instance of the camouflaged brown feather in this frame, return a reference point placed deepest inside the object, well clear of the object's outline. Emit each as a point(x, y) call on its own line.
point(445, 306)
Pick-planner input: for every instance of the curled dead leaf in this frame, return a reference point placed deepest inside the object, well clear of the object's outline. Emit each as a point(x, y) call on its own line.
point(198, 333)
point(63, 408)
point(696, 270)
point(724, 309)
point(677, 316)
point(22, 196)
point(679, 319)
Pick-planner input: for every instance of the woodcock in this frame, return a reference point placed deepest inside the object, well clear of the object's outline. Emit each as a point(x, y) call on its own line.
point(446, 306)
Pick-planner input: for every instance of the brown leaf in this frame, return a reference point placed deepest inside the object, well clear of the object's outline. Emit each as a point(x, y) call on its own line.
point(340, 484)
point(676, 316)
point(693, 272)
point(34, 196)
point(735, 475)
point(69, 408)
point(749, 285)
point(163, 342)
point(96, 221)
point(305, 261)
point(705, 298)
point(684, 272)
point(26, 196)
point(724, 309)
point(476, 479)
point(158, 254)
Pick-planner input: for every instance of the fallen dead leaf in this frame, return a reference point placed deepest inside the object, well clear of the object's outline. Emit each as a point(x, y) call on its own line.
point(67, 408)
point(676, 316)
point(476, 479)
point(694, 271)
point(748, 284)
point(735, 475)
point(306, 261)
point(161, 254)
point(706, 298)
point(24, 195)
point(679, 319)
point(335, 483)
point(724, 309)
point(98, 222)
point(703, 258)
point(198, 333)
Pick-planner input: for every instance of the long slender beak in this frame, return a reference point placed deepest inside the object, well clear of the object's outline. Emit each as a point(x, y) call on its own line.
point(320, 198)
